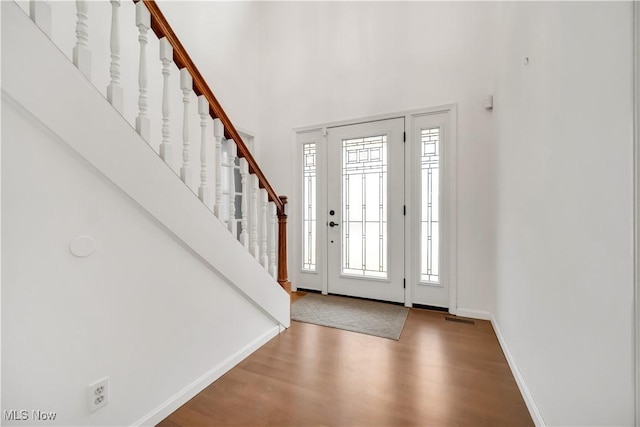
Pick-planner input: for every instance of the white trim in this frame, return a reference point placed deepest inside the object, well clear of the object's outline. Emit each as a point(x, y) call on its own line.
point(452, 215)
point(473, 314)
point(321, 215)
point(636, 204)
point(375, 118)
point(187, 393)
point(248, 138)
point(524, 390)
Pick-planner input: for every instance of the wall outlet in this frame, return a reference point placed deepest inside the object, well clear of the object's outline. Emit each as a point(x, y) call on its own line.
point(98, 394)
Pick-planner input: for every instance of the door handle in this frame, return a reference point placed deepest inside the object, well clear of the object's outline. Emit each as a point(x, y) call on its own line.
point(333, 224)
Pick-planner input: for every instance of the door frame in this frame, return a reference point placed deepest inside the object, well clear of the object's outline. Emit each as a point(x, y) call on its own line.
point(318, 280)
point(636, 201)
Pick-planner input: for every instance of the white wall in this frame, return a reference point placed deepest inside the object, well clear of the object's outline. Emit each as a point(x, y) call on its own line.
point(141, 310)
point(564, 295)
point(332, 61)
point(223, 39)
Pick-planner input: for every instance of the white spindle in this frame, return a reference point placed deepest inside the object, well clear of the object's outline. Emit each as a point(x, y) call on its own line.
point(114, 90)
point(273, 215)
point(218, 133)
point(40, 13)
point(232, 153)
point(186, 83)
point(143, 22)
point(244, 224)
point(81, 52)
point(203, 110)
point(254, 218)
point(166, 57)
point(264, 201)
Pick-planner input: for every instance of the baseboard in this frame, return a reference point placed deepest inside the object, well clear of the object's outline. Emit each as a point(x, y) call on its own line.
point(183, 396)
point(473, 314)
point(524, 390)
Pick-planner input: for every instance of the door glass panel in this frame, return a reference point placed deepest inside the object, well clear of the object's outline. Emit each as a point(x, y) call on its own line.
point(309, 208)
point(430, 220)
point(364, 206)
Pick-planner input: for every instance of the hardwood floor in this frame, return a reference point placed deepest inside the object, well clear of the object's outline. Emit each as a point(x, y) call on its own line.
point(440, 373)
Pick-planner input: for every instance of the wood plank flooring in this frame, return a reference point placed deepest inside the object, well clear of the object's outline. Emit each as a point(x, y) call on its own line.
point(440, 373)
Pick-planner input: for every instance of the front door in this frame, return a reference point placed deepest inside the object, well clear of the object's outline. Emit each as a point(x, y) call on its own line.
point(365, 210)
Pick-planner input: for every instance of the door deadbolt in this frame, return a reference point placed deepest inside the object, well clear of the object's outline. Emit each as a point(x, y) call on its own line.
point(332, 212)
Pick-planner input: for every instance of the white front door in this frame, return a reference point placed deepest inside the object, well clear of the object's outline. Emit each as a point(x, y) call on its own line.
point(365, 210)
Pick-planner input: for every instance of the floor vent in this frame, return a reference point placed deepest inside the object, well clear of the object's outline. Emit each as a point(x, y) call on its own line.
point(459, 320)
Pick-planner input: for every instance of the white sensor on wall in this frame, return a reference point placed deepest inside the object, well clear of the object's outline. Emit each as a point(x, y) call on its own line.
point(82, 246)
point(488, 102)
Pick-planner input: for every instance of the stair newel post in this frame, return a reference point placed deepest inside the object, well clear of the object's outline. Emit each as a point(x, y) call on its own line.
point(264, 255)
point(283, 274)
point(218, 133)
point(81, 52)
point(143, 22)
point(114, 90)
point(166, 57)
point(272, 239)
point(253, 238)
point(203, 111)
point(231, 159)
point(244, 224)
point(186, 83)
point(40, 13)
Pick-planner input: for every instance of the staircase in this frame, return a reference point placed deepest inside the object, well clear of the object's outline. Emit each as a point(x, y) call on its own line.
point(141, 240)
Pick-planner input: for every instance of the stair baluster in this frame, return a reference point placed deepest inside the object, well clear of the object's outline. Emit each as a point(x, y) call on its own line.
point(203, 110)
point(186, 83)
point(143, 22)
point(166, 57)
point(81, 52)
point(254, 218)
point(244, 224)
point(114, 90)
point(218, 133)
point(264, 255)
point(231, 162)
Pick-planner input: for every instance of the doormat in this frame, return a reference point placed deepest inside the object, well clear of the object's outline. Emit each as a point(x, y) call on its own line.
point(351, 314)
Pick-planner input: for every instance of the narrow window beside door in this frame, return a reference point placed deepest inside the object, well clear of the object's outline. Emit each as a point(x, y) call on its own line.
point(430, 218)
point(309, 208)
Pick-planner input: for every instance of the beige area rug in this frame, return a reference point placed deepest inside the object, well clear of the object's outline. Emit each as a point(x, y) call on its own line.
point(351, 314)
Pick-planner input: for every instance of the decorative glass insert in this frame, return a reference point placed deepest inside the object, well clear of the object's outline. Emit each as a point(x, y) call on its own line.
point(309, 208)
point(430, 225)
point(364, 206)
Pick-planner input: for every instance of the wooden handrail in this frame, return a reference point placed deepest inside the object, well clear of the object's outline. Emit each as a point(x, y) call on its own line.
point(161, 28)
